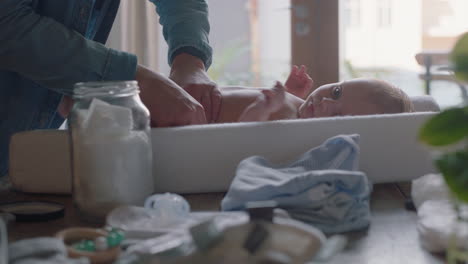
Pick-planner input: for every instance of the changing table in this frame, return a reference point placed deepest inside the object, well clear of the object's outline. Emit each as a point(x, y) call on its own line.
point(392, 237)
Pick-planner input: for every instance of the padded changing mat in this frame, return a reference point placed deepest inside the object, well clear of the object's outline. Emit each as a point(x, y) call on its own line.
point(204, 158)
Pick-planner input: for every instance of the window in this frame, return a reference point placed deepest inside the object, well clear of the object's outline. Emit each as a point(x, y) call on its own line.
point(384, 13)
point(251, 41)
point(387, 49)
point(352, 13)
point(337, 39)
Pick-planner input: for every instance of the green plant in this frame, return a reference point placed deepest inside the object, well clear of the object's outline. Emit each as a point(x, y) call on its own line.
point(450, 127)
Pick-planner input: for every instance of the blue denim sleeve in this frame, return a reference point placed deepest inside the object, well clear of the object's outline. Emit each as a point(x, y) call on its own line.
point(45, 51)
point(185, 24)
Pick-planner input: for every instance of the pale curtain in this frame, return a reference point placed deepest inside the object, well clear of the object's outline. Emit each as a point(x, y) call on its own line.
point(136, 30)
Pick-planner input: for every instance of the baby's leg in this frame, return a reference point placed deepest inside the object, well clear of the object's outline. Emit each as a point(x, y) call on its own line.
point(299, 82)
point(271, 101)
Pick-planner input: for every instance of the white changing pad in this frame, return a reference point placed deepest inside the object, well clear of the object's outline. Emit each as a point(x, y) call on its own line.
point(204, 158)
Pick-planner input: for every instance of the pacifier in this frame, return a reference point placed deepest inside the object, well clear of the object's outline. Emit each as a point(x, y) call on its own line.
point(169, 208)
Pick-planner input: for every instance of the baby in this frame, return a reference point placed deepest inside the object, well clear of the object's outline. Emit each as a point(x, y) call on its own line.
point(296, 99)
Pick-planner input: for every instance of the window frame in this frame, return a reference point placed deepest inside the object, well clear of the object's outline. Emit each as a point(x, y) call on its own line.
point(315, 38)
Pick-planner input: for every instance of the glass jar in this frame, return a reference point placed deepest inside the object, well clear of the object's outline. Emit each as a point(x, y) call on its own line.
point(111, 148)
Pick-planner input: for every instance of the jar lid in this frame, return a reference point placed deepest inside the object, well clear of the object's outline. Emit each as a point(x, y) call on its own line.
point(97, 89)
point(32, 211)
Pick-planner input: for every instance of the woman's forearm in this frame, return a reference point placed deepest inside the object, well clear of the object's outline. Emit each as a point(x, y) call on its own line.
point(45, 51)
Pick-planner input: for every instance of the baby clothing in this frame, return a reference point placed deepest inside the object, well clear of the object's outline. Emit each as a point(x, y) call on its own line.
point(323, 187)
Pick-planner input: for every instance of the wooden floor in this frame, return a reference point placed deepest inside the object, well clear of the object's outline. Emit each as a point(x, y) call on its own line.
point(392, 237)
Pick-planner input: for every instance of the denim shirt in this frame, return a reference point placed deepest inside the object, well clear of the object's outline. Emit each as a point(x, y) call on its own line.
point(48, 45)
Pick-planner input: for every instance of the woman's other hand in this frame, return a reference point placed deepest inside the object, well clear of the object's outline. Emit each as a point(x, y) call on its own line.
point(189, 72)
point(168, 103)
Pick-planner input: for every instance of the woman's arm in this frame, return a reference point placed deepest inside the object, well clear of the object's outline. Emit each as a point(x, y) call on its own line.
point(185, 26)
point(45, 51)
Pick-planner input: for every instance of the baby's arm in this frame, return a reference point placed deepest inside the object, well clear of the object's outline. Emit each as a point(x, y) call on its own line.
point(299, 82)
point(270, 102)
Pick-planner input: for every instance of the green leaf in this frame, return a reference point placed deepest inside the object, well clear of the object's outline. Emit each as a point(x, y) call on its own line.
point(448, 127)
point(459, 58)
point(454, 168)
point(461, 66)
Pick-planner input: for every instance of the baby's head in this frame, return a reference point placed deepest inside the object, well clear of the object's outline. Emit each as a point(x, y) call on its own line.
point(361, 96)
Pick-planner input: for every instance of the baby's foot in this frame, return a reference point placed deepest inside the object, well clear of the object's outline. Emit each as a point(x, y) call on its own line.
point(299, 82)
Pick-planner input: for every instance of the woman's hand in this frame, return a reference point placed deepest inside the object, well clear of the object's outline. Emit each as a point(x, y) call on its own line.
point(189, 72)
point(167, 102)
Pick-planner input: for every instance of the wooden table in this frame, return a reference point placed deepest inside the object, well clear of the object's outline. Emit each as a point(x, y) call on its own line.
point(392, 237)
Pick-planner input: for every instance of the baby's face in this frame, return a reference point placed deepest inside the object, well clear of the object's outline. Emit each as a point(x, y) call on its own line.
point(337, 99)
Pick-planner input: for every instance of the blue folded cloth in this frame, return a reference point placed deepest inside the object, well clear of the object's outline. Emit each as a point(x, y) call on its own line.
point(322, 187)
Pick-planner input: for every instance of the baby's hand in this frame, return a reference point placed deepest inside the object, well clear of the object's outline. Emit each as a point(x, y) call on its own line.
point(275, 97)
point(299, 82)
point(271, 101)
